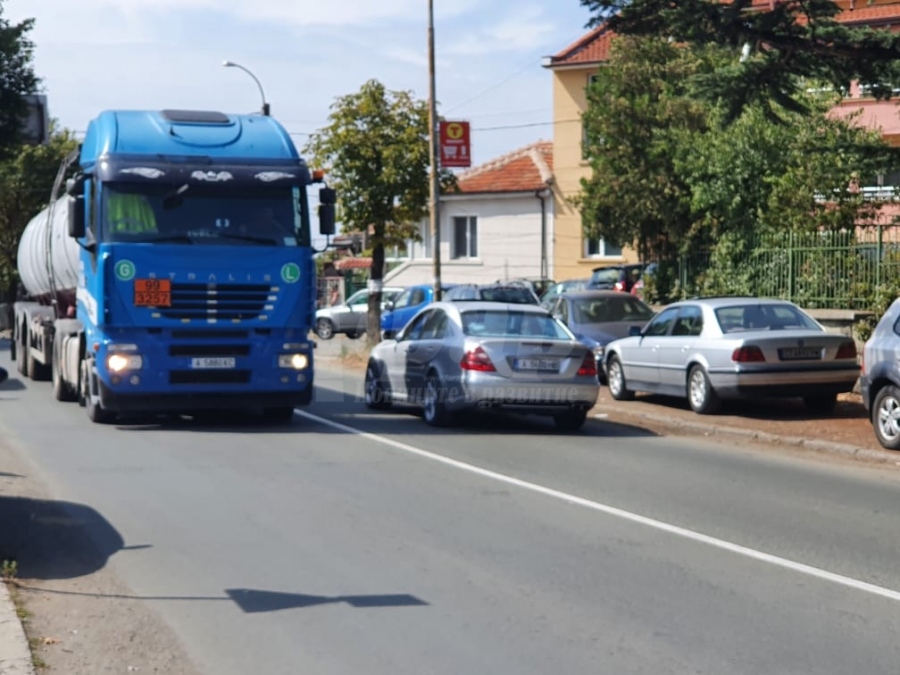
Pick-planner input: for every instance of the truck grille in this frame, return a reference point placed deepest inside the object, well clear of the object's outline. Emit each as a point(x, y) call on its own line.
point(209, 376)
point(212, 302)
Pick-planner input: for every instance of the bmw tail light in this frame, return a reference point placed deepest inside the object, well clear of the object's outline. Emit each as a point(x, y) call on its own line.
point(749, 354)
point(847, 350)
point(477, 359)
point(588, 365)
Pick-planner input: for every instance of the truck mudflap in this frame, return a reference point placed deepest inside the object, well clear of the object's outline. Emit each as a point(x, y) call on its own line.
point(180, 403)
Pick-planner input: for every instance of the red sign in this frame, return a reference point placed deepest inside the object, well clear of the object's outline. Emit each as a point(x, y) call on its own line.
point(456, 151)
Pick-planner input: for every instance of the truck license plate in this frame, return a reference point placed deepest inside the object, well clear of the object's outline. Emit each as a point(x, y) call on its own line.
point(211, 362)
point(800, 353)
point(545, 365)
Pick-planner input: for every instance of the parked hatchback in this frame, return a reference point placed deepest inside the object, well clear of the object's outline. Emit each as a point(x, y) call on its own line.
point(615, 277)
point(350, 317)
point(880, 379)
point(400, 310)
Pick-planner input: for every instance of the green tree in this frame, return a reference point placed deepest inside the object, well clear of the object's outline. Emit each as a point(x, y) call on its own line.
point(26, 182)
point(638, 119)
point(376, 151)
point(17, 78)
point(785, 41)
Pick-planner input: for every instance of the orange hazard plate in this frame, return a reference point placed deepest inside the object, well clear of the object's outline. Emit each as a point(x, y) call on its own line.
point(152, 293)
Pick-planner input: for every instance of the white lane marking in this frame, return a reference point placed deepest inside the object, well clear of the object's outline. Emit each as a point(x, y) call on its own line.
point(745, 551)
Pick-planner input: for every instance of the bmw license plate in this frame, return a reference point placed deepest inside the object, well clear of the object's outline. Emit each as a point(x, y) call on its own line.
point(800, 353)
point(213, 362)
point(543, 365)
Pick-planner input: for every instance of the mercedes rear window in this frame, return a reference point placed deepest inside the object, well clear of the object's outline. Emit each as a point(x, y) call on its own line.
point(498, 323)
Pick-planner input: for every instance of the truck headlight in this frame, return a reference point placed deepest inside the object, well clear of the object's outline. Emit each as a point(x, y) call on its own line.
point(294, 361)
point(117, 363)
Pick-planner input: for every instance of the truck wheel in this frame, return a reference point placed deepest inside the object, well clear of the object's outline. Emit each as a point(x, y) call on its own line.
point(283, 415)
point(39, 372)
point(96, 413)
point(62, 391)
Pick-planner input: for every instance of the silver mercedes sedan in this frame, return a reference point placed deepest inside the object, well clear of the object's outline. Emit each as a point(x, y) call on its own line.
point(712, 349)
point(456, 356)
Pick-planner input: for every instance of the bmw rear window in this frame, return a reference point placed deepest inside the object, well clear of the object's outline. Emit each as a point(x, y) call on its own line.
point(497, 323)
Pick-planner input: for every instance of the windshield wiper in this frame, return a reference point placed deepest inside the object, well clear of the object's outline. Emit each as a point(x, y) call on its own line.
point(246, 237)
point(182, 238)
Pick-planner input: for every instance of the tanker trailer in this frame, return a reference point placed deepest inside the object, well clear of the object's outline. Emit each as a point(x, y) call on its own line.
point(48, 268)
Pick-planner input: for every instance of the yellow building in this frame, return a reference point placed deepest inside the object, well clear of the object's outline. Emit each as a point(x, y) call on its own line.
point(572, 69)
point(573, 256)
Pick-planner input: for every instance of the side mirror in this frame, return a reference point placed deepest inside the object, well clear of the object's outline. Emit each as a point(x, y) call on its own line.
point(326, 219)
point(76, 217)
point(634, 331)
point(389, 306)
point(75, 186)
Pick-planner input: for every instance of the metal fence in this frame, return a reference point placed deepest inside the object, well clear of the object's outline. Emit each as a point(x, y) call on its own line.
point(817, 270)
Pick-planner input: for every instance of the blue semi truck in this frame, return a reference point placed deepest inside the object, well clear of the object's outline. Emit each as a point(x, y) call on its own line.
point(173, 270)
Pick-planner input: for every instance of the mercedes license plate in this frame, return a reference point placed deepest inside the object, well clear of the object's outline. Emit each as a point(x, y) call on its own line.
point(213, 362)
point(544, 365)
point(800, 353)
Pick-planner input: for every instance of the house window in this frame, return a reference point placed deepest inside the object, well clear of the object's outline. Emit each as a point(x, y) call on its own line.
point(600, 248)
point(465, 237)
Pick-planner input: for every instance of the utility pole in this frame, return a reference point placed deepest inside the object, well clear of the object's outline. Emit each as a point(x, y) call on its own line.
point(433, 152)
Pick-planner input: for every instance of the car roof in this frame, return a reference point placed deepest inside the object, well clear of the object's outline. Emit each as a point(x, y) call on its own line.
point(481, 306)
point(599, 293)
point(717, 302)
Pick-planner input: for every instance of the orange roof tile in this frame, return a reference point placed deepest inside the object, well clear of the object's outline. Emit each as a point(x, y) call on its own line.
point(594, 47)
point(353, 264)
point(523, 170)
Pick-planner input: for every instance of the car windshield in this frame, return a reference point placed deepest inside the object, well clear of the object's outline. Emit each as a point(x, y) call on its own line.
point(738, 318)
point(192, 214)
point(513, 295)
point(498, 323)
point(609, 310)
point(606, 276)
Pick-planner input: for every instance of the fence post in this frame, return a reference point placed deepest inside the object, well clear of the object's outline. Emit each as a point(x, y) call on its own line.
point(879, 257)
point(790, 269)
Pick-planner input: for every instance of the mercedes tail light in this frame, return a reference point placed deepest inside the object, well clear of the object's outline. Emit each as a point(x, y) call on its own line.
point(477, 359)
point(749, 354)
point(588, 365)
point(847, 350)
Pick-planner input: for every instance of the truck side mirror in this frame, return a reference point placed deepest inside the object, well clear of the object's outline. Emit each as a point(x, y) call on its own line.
point(326, 219)
point(76, 217)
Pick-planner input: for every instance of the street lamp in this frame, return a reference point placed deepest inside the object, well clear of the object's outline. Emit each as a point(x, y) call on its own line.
point(265, 106)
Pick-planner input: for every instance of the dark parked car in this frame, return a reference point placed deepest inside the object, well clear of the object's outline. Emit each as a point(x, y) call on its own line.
point(616, 277)
point(548, 299)
point(514, 294)
point(599, 317)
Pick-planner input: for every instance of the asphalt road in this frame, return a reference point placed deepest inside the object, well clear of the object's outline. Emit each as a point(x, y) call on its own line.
point(353, 542)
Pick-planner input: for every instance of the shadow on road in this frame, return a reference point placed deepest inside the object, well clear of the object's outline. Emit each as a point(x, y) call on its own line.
point(12, 384)
point(253, 601)
point(788, 409)
point(54, 539)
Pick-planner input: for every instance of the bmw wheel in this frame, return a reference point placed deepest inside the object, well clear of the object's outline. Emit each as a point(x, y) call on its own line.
point(701, 395)
point(886, 417)
point(615, 376)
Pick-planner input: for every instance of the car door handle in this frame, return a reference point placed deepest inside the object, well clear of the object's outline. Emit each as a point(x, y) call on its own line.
point(685, 348)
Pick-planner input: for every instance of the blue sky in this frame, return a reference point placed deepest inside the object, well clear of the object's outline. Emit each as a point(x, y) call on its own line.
point(98, 54)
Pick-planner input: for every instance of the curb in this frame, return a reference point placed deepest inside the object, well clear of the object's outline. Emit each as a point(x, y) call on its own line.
point(15, 654)
point(842, 449)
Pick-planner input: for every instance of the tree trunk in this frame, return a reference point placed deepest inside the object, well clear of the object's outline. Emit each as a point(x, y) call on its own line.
point(376, 274)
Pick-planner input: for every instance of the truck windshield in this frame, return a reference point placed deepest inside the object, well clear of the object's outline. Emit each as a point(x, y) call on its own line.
point(192, 214)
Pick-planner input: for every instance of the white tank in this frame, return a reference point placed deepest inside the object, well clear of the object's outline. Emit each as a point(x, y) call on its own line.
point(34, 269)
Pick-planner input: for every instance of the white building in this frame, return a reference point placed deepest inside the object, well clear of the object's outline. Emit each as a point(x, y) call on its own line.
point(498, 227)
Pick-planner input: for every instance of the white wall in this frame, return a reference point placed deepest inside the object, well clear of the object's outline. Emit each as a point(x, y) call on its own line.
point(509, 242)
